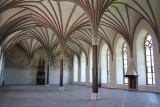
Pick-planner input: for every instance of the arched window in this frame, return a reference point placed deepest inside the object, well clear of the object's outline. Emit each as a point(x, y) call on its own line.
point(124, 57)
point(105, 73)
point(108, 67)
point(91, 65)
point(83, 67)
point(119, 61)
point(75, 72)
point(140, 52)
point(149, 60)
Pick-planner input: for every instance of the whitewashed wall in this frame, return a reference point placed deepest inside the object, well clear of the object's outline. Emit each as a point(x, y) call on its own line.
point(139, 65)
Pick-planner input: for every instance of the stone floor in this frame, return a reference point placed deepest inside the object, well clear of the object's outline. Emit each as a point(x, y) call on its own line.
point(73, 96)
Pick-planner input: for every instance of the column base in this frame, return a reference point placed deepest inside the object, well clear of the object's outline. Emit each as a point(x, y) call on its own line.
point(47, 85)
point(61, 88)
point(95, 96)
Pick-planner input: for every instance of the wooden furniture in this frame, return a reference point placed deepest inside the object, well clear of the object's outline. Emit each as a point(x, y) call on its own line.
point(41, 73)
point(132, 82)
point(132, 76)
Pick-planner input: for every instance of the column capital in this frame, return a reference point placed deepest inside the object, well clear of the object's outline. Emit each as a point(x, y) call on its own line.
point(95, 41)
point(61, 56)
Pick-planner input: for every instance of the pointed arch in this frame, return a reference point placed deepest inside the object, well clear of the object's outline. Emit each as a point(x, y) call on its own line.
point(149, 60)
point(90, 65)
point(75, 67)
point(105, 72)
point(119, 62)
point(83, 67)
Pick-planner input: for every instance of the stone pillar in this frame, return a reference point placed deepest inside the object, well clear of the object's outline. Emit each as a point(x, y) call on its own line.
point(95, 94)
point(48, 73)
point(61, 73)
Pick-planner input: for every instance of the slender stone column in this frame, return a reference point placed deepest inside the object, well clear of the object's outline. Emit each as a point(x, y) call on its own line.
point(95, 94)
point(48, 73)
point(61, 73)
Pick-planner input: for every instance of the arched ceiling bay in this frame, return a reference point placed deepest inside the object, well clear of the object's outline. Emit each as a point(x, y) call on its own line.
point(71, 22)
point(131, 13)
point(26, 41)
point(61, 17)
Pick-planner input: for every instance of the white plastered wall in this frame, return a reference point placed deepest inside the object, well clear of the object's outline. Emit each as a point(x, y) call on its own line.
point(143, 25)
point(113, 68)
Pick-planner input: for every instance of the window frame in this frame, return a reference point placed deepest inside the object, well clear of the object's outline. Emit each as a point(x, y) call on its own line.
point(74, 68)
point(151, 61)
point(124, 69)
point(108, 66)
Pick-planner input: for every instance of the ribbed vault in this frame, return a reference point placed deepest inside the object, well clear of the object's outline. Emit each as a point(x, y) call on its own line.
point(72, 24)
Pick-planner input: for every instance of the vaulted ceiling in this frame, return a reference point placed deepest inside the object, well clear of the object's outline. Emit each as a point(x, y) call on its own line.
point(73, 23)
